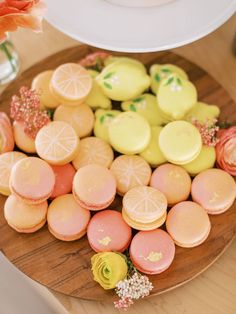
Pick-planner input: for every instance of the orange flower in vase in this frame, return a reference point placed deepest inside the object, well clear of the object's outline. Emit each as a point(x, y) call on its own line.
point(20, 13)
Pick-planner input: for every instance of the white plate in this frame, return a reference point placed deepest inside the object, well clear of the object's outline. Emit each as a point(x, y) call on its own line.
point(105, 25)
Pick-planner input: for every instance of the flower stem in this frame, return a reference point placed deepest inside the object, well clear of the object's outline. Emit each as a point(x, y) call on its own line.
point(5, 49)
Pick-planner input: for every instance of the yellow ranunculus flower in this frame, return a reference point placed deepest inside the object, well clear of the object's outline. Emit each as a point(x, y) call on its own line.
point(108, 269)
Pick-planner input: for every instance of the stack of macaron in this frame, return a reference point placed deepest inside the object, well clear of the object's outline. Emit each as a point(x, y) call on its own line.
point(108, 135)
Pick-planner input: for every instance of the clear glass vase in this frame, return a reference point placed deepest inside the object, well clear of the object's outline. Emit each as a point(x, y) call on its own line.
point(9, 62)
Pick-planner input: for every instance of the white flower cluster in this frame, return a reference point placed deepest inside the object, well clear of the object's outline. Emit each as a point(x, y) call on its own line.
point(135, 287)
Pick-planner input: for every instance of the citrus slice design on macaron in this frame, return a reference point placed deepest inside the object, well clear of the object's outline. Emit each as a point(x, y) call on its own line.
point(71, 83)
point(57, 143)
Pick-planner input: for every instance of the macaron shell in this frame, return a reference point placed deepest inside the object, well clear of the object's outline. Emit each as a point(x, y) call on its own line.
point(203, 113)
point(180, 142)
point(188, 224)
point(129, 133)
point(152, 252)
point(80, 117)
point(66, 218)
point(107, 231)
point(94, 192)
point(24, 216)
point(27, 179)
point(29, 230)
point(173, 181)
point(61, 237)
point(130, 171)
point(214, 190)
point(93, 150)
point(23, 141)
point(7, 142)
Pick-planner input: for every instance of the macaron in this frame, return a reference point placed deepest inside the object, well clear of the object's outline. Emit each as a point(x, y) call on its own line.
point(153, 154)
point(173, 181)
point(130, 171)
point(7, 161)
point(188, 224)
point(41, 84)
point(64, 176)
point(7, 142)
point(203, 113)
point(23, 141)
point(129, 133)
point(81, 118)
point(152, 252)
point(176, 96)
point(144, 208)
point(94, 187)
point(103, 119)
point(67, 220)
point(205, 160)
point(25, 218)
point(180, 142)
point(57, 143)
point(107, 231)
point(93, 150)
point(32, 180)
point(214, 190)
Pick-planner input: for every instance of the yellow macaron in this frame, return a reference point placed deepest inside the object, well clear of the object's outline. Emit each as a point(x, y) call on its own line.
point(203, 113)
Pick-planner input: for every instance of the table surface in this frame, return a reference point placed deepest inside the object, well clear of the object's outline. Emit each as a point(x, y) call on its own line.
point(214, 291)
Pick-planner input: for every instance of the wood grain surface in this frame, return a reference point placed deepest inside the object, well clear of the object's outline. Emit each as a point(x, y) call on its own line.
point(65, 267)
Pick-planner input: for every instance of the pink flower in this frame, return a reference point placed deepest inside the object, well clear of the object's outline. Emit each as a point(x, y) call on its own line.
point(20, 13)
point(208, 132)
point(226, 150)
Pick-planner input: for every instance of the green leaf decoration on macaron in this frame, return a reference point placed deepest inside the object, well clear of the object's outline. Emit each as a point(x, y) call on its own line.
point(107, 85)
point(132, 107)
point(170, 80)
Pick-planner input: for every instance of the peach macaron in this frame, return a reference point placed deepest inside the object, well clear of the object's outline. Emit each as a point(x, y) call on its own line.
point(107, 231)
point(67, 220)
point(188, 224)
point(152, 252)
point(64, 176)
point(94, 187)
point(93, 150)
point(7, 142)
point(32, 180)
point(173, 181)
point(130, 171)
point(214, 190)
point(25, 218)
point(144, 208)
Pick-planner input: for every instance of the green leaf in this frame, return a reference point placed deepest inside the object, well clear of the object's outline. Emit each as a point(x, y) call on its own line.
point(169, 81)
point(137, 99)
point(108, 75)
point(166, 70)
point(179, 82)
point(102, 118)
point(109, 115)
point(157, 77)
point(107, 85)
point(132, 108)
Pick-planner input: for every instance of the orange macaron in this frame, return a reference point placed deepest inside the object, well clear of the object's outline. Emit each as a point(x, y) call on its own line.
point(107, 231)
point(94, 187)
point(6, 134)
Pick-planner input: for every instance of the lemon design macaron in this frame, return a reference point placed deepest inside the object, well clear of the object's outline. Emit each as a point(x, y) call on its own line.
point(159, 72)
point(103, 119)
point(96, 98)
point(180, 142)
point(153, 154)
point(205, 160)
point(203, 113)
point(112, 59)
point(176, 96)
point(147, 106)
point(129, 133)
point(123, 80)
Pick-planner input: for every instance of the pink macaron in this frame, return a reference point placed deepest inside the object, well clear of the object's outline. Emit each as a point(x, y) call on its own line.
point(152, 252)
point(188, 224)
point(214, 190)
point(107, 231)
point(94, 187)
point(32, 180)
point(173, 181)
point(64, 178)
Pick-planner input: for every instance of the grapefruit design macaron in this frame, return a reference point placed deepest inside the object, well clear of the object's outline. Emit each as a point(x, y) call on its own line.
point(25, 218)
point(152, 252)
point(107, 231)
point(23, 141)
point(32, 180)
point(67, 220)
point(94, 187)
point(6, 134)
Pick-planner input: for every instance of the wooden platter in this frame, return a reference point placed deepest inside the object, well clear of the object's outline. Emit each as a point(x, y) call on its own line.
point(65, 267)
